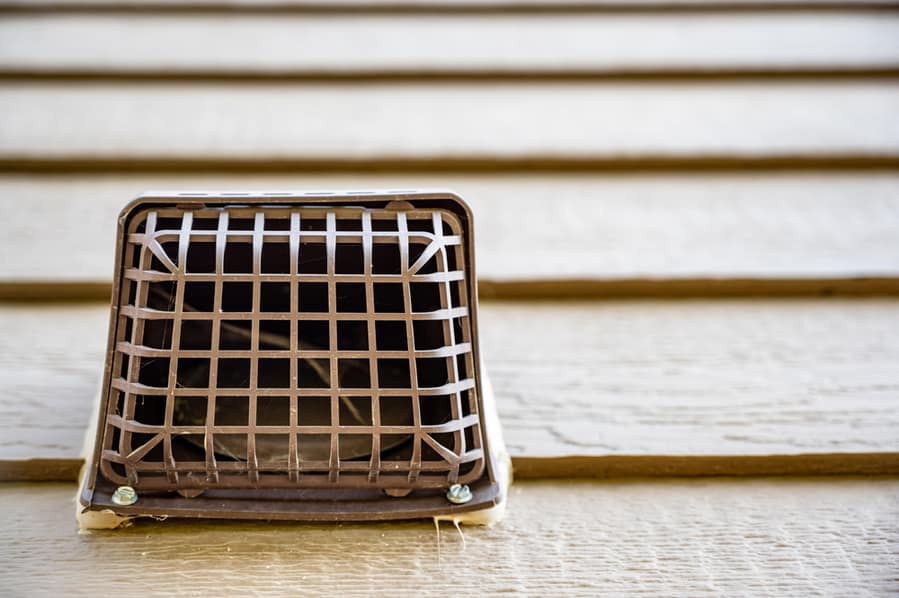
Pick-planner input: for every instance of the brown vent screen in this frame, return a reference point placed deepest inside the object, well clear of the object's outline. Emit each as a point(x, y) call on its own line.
point(315, 352)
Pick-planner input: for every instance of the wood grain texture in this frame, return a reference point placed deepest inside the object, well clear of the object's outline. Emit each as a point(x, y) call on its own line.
point(51, 363)
point(168, 45)
point(600, 228)
point(695, 378)
point(677, 538)
point(332, 123)
point(707, 378)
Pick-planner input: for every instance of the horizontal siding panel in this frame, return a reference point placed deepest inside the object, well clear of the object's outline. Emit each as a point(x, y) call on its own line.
point(697, 378)
point(167, 45)
point(689, 538)
point(529, 228)
point(324, 123)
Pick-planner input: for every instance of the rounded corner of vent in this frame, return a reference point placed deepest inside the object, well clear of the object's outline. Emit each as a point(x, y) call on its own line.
point(461, 202)
point(132, 208)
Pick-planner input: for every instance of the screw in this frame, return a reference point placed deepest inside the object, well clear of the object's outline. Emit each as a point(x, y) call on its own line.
point(124, 496)
point(459, 494)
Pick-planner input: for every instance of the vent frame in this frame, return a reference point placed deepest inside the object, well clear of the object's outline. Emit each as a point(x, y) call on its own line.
point(317, 494)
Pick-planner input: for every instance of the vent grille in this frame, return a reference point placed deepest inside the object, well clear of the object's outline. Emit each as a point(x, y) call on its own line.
point(292, 346)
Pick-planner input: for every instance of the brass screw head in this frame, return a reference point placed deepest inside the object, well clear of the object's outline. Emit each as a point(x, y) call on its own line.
point(124, 496)
point(459, 494)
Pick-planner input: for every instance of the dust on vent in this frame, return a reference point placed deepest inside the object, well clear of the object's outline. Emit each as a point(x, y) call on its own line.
point(294, 356)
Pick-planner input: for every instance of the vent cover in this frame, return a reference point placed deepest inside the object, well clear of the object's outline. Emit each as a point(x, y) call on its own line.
point(302, 356)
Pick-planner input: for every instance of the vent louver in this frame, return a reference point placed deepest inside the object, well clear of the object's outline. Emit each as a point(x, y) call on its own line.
point(294, 356)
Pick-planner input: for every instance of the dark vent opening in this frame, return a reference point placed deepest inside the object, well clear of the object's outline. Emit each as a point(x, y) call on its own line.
point(275, 296)
point(355, 411)
point(438, 410)
point(429, 334)
point(274, 335)
point(279, 224)
point(432, 371)
point(199, 296)
point(352, 335)
point(353, 373)
point(232, 411)
point(276, 258)
point(241, 224)
point(150, 410)
point(394, 373)
point(235, 335)
point(385, 258)
point(425, 296)
point(315, 411)
point(389, 297)
point(391, 335)
point(314, 335)
point(161, 295)
point(420, 225)
point(201, 257)
point(351, 297)
point(154, 371)
point(313, 258)
point(312, 224)
point(313, 297)
point(238, 258)
point(168, 223)
point(314, 373)
point(233, 373)
point(189, 411)
point(384, 225)
point(349, 259)
point(205, 223)
point(237, 296)
point(272, 411)
point(193, 372)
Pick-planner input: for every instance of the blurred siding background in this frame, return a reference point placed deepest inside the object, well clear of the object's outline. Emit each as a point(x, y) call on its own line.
point(688, 236)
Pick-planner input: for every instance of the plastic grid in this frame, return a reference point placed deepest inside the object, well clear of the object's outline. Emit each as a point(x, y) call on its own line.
point(293, 346)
